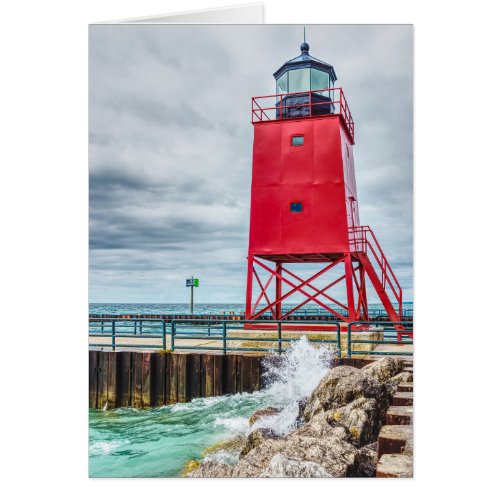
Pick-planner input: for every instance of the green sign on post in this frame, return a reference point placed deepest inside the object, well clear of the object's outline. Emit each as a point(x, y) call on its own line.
point(192, 282)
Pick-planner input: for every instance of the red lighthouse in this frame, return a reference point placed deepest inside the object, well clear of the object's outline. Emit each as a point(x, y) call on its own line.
point(304, 204)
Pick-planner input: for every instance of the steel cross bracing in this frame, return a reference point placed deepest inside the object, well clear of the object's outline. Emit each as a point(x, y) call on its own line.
point(366, 259)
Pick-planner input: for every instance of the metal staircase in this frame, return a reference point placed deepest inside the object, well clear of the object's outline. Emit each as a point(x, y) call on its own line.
point(366, 249)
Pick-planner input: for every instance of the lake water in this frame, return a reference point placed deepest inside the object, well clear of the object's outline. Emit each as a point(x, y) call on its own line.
point(158, 442)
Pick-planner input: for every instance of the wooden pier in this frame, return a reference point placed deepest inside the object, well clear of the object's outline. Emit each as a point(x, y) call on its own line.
point(145, 379)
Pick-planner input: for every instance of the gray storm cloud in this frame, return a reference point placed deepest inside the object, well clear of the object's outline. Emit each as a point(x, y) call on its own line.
point(171, 142)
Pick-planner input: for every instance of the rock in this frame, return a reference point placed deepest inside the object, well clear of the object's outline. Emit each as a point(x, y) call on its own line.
point(212, 469)
point(395, 465)
point(362, 418)
point(394, 439)
point(318, 441)
point(399, 415)
point(409, 447)
point(383, 369)
point(302, 406)
point(263, 412)
point(232, 445)
point(340, 386)
point(282, 466)
point(393, 382)
point(322, 428)
point(190, 467)
point(255, 438)
point(368, 458)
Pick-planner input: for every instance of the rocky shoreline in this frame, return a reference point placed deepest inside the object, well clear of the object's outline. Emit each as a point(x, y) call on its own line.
point(336, 429)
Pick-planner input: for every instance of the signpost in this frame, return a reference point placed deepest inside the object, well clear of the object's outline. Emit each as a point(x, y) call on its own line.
point(192, 282)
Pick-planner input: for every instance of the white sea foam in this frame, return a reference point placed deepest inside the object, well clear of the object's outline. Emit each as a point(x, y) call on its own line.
point(289, 378)
point(105, 447)
point(235, 425)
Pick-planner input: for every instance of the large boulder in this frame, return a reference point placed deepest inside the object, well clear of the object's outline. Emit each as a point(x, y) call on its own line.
point(383, 369)
point(368, 458)
point(362, 417)
point(318, 441)
point(212, 469)
point(263, 412)
point(342, 385)
point(282, 466)
point(255, 438)
point(392, 384)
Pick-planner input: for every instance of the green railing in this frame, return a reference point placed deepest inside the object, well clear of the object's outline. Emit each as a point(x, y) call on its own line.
point(392, 330)
point(224, 334)
point(114, 329)
point(173, 334)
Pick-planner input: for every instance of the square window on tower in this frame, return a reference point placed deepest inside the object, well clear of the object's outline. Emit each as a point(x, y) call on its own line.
point(296, 206)
point(297, 140)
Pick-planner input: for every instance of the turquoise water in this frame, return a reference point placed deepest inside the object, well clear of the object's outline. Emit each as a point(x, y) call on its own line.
point(158, 442)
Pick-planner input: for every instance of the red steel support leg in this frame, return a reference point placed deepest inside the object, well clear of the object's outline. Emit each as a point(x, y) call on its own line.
point(278, 290)
point(248, 308)
point(363, 292)
point(349, 287)
point(263, 292)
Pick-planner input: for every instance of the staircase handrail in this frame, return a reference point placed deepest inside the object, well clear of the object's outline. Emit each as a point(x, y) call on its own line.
point(382, 261)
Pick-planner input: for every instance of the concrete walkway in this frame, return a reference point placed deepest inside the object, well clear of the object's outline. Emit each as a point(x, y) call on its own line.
point(252, 339)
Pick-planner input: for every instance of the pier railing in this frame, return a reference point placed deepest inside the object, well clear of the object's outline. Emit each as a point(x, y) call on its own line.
point(246, 335)
point(117, 331)
point(395, 333)
point(204, 334)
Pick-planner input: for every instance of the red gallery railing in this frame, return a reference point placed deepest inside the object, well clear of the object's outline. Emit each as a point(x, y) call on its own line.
point(362, 239)
point(272, 107)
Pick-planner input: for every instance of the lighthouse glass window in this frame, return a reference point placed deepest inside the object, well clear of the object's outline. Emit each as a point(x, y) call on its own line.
point(282, 84)
point(320, 80)
point(299, 80)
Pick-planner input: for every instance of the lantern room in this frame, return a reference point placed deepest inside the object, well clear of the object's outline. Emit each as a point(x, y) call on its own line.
point(296, 78)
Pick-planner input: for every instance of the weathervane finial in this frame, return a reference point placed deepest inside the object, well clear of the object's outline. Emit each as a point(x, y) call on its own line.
point(304, 48)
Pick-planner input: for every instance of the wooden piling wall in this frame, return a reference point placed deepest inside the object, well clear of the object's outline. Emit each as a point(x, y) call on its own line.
point(145, 379)
point(141, 379)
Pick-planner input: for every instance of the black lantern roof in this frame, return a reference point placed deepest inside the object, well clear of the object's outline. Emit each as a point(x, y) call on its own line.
point(305, 60)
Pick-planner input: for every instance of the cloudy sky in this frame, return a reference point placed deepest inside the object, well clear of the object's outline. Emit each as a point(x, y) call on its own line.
point(171, 145)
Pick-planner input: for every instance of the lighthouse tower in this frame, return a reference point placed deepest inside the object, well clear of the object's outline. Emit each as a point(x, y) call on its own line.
point(304, 204)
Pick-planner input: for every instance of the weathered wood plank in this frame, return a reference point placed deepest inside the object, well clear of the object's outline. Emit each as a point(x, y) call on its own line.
point(158, 381)
point(147, 362)
point(219, 382)
point(136, 380)
point(93, 367)
point(172, 372)
point(125, 379)
point(102, 385)
point(182, 389)
point(207, 375)
point(231, 375)
point(112, 397)
point(255, 369)
point(194, 376)
point(245, 373)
